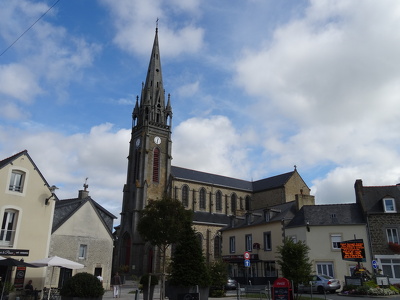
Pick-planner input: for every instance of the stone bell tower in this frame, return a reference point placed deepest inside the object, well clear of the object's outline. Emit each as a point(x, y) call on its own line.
point(149, 165)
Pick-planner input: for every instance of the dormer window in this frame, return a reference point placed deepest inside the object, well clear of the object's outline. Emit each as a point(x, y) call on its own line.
point(266, 215)
point(389, 205)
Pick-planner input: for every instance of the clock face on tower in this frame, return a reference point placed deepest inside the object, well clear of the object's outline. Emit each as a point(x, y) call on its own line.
point(157, 140)
point(137, 143)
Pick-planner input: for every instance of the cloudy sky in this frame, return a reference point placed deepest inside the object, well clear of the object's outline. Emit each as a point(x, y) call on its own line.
point(257, 87)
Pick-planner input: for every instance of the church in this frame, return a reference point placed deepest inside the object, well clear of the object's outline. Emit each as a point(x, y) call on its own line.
point(214, 199)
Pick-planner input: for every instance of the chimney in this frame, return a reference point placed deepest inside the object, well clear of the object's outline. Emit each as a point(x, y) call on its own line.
point(84, 193)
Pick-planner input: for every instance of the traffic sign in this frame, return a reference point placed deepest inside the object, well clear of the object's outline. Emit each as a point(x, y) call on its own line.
point(246, 255)
point(375, 264)
point(247, 263)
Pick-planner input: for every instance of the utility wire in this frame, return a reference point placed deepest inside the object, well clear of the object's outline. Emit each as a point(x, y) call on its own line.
point(29, 27)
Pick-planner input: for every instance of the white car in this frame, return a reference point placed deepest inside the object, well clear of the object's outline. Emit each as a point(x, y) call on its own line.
point(321, 284)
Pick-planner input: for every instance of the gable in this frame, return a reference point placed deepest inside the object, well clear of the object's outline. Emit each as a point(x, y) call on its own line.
point(83, 221)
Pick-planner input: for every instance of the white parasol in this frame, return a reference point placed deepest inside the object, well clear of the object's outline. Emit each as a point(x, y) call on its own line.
point(56, 261)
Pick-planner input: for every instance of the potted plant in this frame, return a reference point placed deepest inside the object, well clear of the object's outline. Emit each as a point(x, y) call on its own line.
point(148, 281)
point(82, 285)
point(9, 289)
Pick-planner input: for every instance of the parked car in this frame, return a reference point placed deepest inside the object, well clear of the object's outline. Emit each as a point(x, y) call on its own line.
point(320, 284)
point(231, 284)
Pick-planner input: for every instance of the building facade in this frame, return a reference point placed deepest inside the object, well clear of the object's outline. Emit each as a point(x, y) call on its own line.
point(26, 206)
point(82, 232)
point(150, 176)
point(380, 205)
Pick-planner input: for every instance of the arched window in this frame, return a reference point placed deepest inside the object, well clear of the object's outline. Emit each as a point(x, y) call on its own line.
point(233, 203)
point(218, 201)
point(217, 247)
point(247, 205)
point(200, 240)
point(202, 198)
point(156, 165)
point(185, 196)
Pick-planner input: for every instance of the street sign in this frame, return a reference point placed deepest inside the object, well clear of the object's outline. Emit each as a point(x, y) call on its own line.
point(246, 255)
point(375, 264)
point(247, 263)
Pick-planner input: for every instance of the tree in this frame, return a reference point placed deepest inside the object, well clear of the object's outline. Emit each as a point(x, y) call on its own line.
point(188, 266)
point(294, 261)
point(161, 224)
point(218, 276)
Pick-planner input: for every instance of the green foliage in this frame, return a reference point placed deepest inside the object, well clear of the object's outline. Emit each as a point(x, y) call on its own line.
point(217, 293)
point(188, 266)
point(218, 274)
point(293, 261)
point(8, 287)
point(162, 221)
point(145, 279)
point(82, 285)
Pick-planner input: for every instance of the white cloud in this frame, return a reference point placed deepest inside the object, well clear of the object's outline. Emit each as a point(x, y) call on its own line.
point(19, 82)
point(66, 160)
point(135, 22)
point(332, 74)
point(211, 145)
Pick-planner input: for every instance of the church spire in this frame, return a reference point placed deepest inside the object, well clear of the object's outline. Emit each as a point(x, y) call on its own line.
point(152, 100)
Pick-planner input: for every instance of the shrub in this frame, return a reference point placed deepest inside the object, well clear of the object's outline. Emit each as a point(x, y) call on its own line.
point(217, 293)
point(144, 280)
point(83, 285)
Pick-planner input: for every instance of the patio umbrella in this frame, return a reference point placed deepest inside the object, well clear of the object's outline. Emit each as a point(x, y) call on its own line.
point(10, 262)
point(56, 261)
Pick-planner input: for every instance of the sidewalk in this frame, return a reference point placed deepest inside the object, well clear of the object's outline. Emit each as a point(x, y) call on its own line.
point(128, 292)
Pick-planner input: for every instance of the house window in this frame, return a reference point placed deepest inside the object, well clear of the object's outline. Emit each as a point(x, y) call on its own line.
point(325, 268)
point(270, 269)
point(185, 196)
point(232, 244)
point(249, 242)
point(389, 205)
point(82, 251)
point(156, 165)
point(391, 267)
point(267, 241)
point(8, 226)
point(17, 181)
point(392, 235)
point(335, 241)
point(218, 201)
point(203, 198)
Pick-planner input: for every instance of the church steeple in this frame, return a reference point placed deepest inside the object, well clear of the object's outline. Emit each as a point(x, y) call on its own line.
point(152, 108)
point(149, 165)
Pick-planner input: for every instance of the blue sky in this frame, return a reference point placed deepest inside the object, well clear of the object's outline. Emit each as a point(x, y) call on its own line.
point(256, 86)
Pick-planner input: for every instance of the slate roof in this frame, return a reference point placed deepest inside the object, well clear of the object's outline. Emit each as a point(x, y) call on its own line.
point(64, 209)
point(224, 181)
point(372, 196)
point(281, 211)
point(329, 214)
point(201, 217)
